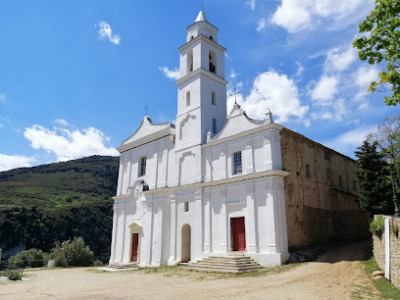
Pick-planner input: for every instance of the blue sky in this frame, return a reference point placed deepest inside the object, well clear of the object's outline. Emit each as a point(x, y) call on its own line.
point(75, 76)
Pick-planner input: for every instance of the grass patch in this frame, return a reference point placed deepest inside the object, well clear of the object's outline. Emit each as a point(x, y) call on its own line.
point(179, 271)
point(384, 286)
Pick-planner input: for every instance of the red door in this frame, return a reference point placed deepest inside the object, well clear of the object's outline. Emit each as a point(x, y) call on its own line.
point(135, 244)
point(238, 234)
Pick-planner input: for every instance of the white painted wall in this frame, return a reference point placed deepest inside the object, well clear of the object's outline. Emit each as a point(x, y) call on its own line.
point(184, 165)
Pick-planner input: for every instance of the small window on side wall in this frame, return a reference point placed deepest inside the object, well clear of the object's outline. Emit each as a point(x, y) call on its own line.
point(214, 126)
point(186, 206)
point(142, 166)
point(237, 162)
point(308, 173)
point(187, 98)
point(213, 98)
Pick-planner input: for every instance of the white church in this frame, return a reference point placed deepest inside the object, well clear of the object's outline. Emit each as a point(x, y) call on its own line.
point(211, 184)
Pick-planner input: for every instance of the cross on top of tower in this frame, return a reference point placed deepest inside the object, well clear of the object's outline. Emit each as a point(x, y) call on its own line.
point(146, 109)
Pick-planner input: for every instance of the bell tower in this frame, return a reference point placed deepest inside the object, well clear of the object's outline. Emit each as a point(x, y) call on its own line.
point(202, 85)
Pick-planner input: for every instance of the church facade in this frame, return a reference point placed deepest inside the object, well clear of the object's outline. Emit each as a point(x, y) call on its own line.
point(215, 183)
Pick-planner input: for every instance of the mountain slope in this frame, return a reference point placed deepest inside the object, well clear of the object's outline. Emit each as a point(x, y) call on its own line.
point(56, 185)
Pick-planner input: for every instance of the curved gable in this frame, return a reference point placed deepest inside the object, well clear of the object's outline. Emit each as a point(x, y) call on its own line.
point(237, 122)
point(146, 133)
point(148, 128)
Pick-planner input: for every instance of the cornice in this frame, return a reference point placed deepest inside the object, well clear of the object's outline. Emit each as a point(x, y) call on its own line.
point(147, 139)
point(198, 72)
point(201, 37)
point(243, 134)
point(230, 180)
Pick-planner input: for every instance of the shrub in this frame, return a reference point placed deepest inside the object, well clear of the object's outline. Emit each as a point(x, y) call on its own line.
point(76, 253)
point(377, 226)
point(98, 263)
point(15, 276)
point(31, 258)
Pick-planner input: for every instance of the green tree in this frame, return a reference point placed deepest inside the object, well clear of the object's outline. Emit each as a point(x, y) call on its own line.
point(374, 191)
point(381, 41)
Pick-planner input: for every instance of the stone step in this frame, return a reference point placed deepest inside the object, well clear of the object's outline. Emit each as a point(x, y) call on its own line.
point(124, 266)
point(226, 264)
point(249, 263)
point(224, 267)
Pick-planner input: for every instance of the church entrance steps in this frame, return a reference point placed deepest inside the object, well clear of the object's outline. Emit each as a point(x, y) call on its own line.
point(225, 264)
point(130, 266)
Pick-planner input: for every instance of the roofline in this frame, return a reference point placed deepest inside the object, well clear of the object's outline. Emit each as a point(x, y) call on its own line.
point(204, 38)
point(147, 139)
point(198, 22)
point(242, 134)
point(320, 145)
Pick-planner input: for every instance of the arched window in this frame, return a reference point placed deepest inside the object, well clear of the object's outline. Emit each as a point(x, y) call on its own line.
point(212, 63)
point(189, 62)
point(187, 98)
point(211, 38)
point(192, 37)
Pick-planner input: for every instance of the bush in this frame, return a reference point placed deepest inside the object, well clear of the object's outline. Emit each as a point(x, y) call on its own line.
point(98, 263)
point(15, 276)
point(76, 253)
point(31, 258)
point(377, 226)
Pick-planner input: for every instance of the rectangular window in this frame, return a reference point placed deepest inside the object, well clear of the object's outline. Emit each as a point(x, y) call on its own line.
point(308, 173)
point(186, 207)
point(213, 98)
point(187, 98)
point(142, 166)
point(237, 162)
point(214, 126)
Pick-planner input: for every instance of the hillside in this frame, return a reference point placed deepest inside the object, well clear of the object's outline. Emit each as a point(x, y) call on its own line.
point(58, 185)
point(56, 202)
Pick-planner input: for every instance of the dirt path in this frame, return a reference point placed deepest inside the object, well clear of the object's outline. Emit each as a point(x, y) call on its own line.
point(338, 274)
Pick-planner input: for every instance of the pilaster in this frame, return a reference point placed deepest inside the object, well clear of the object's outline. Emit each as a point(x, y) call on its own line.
point(251, 232)
point(223, 222)
point(172, 257)
point(207, 222)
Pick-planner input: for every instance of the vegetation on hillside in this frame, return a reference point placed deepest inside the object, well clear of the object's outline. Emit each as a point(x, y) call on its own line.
point(60, 185)
point(42, 205)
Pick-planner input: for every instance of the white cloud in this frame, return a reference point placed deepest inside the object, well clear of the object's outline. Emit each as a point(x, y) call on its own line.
point(364, 75)
point(293, 15)
point(251, 4)
point(9, 162)
point(297, 15)
point(348, 142)
point(324, 90)
point(105, 32)
point(69, 144)
point(172, 74)
point(233, 74)
point(275, 91)
point(261, 24)
point(339, 60)
point(61, 122)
